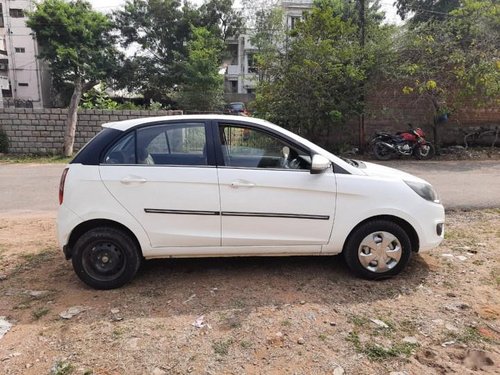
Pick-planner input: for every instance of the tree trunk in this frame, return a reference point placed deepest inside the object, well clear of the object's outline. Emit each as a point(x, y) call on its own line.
point(435, 131)
point(69, 135)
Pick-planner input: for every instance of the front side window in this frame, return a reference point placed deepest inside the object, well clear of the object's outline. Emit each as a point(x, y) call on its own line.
point(175, 144)
point(251, 148)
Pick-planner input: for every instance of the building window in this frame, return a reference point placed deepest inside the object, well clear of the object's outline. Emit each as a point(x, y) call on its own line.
point(234, 86)
point(16, 13)
point(24, 84)
point(252, 63)
point(4, 64)
point(1, 16)
point(294, 20)
point(20, 50)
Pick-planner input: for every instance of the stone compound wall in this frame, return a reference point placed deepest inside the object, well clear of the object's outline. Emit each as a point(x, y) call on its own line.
point(41, 131)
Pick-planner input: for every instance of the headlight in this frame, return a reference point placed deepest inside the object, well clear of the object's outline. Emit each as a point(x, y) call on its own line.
point(426, 191)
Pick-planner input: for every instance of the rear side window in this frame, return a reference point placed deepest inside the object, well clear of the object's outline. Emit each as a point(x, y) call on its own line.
point(123, 152)
point(173, 144)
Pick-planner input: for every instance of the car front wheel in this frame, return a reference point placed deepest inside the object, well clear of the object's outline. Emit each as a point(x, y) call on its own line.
point(377, 249)
point(105, 258)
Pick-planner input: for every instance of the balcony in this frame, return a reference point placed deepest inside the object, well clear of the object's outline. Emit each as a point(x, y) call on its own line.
point(233, 70)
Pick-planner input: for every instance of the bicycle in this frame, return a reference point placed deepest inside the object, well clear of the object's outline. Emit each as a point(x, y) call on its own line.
point(477, 133)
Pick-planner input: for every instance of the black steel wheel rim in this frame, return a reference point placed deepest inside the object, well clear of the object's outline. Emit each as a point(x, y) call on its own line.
point(104, 261)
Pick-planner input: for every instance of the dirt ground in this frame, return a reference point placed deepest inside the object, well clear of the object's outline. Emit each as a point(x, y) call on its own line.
point(303, 315)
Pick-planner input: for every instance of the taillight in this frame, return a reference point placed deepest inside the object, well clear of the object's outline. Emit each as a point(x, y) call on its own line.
point(61, 185)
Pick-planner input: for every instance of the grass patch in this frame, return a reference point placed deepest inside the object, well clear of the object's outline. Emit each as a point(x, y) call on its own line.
point(495, 274)
point(245, 344)
point(451, 235)
point(358, 321)
point(286, 323)
point(61, 368)
point(408, 326)
point(222, 347)
point(377, 352)
point(119, 332)
point(40, 312)
point(468, 336)
point(238, 304)
point(26, 159)
point(34, 260)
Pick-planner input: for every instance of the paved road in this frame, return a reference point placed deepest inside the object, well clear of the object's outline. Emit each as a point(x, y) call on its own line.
point(461, 184)
point(29, 188)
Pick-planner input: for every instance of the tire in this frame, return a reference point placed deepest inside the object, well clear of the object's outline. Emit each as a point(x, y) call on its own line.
point(364, 260)
point(424, 152)
point(105, 258)
point(381, 152)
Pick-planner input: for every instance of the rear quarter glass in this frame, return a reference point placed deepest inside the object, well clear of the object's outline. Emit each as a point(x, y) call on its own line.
point(91, 153)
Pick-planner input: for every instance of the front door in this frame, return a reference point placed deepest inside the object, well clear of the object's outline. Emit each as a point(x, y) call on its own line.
point(268, 195)
point(162, 176)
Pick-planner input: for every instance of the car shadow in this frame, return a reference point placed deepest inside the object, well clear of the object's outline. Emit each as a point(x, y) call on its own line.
point(203, 285)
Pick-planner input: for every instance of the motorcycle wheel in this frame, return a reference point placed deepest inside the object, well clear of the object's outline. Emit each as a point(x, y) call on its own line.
point(381, 152)
point(424, 151)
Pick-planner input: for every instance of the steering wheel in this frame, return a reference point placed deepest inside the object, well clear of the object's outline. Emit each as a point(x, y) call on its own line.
point(290, 159)
point(294, 163)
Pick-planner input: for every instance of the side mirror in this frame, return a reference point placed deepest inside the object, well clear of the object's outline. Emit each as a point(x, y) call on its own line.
point(319, 164)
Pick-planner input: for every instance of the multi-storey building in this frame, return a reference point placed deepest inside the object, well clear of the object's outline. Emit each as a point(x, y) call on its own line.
point(240, 79)
point(24, 81)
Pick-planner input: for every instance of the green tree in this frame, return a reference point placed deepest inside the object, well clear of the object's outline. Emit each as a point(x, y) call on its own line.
point(202, 89)
point(319, 83)
point(269, 37)
point(221, 18)
point(454, 61)
point(425, 10)
point(78, 46)
point(159, 31)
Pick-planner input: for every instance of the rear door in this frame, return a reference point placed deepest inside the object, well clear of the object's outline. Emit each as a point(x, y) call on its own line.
point(268, 195)
point(164, 175)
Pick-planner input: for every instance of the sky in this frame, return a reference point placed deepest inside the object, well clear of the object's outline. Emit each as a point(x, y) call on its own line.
point(109, 5)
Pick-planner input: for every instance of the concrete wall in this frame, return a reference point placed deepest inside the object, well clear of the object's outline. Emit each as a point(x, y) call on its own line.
point(41, 131)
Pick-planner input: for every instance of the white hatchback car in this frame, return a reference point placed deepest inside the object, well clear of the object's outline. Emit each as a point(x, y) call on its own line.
point(216, 185)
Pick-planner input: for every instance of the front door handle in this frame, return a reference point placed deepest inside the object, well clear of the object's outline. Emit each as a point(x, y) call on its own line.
point(241, 183)
point(133, 180)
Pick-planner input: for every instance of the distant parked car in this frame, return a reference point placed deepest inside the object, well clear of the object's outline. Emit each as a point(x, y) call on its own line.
point(236, 108)
point(216, 185)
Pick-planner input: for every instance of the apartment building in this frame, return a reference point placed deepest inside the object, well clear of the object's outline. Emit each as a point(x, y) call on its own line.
point(240, 78)
point(24, 81)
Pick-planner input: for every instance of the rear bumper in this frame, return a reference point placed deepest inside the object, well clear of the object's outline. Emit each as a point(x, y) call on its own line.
point(67, 220)
point(67, 252)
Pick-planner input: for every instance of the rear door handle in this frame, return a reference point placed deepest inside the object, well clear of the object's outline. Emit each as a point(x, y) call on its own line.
point(132, 180)
point(241, 183)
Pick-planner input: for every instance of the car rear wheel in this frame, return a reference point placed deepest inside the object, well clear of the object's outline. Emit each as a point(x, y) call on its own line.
point(377, 249)
point(105, 258)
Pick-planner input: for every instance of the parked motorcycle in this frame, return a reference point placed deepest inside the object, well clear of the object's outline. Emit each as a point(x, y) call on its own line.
point(407, 143)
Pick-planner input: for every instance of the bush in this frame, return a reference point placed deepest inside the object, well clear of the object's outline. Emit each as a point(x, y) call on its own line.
point(4, 142)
